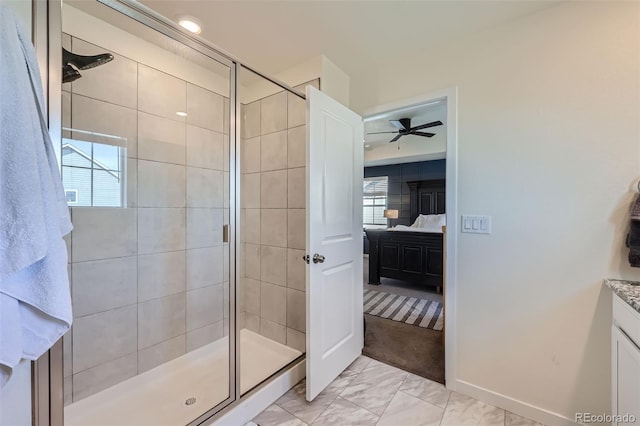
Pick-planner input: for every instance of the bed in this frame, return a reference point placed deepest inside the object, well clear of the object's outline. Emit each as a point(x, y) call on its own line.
point(413, 255)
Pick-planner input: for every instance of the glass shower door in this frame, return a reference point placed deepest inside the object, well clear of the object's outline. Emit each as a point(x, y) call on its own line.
point(271, 274)
point(145, 166)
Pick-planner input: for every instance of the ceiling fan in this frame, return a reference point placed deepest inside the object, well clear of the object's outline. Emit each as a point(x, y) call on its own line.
point(404, 128)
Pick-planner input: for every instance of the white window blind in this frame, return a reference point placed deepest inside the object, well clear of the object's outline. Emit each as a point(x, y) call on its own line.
point(374, 201)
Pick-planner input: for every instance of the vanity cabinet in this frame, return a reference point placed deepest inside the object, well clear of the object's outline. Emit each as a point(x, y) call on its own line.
point(625, 360)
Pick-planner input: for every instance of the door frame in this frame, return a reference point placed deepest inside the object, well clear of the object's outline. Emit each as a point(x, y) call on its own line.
point(450, 95)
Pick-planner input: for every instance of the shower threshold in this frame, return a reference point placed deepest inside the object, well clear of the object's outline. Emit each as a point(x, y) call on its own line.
point(182, 389)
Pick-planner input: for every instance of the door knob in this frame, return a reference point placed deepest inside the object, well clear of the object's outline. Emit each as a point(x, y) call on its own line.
point(318, 258)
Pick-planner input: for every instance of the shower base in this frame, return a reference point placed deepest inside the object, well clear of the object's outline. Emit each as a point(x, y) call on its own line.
point(182, 389)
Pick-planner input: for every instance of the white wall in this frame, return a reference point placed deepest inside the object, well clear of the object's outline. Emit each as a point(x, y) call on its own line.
point(15, 397)
point(549, 146)
point(333, 80)
point(408, 149)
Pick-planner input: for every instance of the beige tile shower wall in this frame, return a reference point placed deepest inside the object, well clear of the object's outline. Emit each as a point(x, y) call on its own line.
point(150, 281)
point(273, 160)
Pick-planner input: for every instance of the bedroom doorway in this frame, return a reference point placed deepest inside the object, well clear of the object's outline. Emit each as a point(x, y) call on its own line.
point(406, 196)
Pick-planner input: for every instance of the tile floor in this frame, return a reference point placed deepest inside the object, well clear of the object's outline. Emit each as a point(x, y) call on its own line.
point(369, 392)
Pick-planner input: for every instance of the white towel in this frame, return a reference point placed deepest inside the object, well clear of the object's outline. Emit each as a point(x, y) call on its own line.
point(35, 299)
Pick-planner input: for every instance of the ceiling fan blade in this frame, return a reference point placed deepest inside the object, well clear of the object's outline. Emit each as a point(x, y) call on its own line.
point(395, 138)
point(426, 126)
point(380, 133)
point(426, 134)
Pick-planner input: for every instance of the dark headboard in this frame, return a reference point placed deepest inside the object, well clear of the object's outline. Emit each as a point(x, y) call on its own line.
point(426, 197)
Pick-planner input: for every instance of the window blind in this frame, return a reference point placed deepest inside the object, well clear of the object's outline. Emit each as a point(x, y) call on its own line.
point(374, 193)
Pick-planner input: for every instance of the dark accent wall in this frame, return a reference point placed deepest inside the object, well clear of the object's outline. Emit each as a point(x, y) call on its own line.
point(399, 175)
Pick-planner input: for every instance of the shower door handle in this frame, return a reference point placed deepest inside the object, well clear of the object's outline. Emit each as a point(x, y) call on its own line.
point(225, 233)
point(318, 258)
point(306, 258)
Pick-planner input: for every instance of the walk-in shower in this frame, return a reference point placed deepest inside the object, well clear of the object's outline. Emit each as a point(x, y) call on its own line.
point(185, 174)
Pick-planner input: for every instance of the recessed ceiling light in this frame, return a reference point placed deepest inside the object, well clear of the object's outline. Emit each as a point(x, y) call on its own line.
point(181, 114)
point(367, 146)
point(190, 23)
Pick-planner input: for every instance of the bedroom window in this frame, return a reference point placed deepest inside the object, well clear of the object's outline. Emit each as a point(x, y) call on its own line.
point(374, 202)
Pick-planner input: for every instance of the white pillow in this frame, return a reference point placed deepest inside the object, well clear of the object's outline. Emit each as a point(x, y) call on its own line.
point(430, 221)
point(419, 222)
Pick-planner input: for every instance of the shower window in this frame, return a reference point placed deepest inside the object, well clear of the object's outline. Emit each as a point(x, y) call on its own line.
point(93, 174)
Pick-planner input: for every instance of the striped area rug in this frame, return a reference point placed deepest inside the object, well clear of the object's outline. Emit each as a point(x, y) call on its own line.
point(410, 310)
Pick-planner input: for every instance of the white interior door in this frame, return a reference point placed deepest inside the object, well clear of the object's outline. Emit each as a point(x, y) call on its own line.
point(334, 239)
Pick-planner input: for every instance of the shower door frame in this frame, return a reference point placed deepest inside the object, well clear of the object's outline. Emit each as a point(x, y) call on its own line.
point(47, 375)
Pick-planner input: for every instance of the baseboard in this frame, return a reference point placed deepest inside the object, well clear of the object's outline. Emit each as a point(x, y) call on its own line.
point(515, 406)
point(252, 405)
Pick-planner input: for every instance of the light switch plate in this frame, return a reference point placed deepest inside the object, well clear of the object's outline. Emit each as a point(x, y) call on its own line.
point(476, 224)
